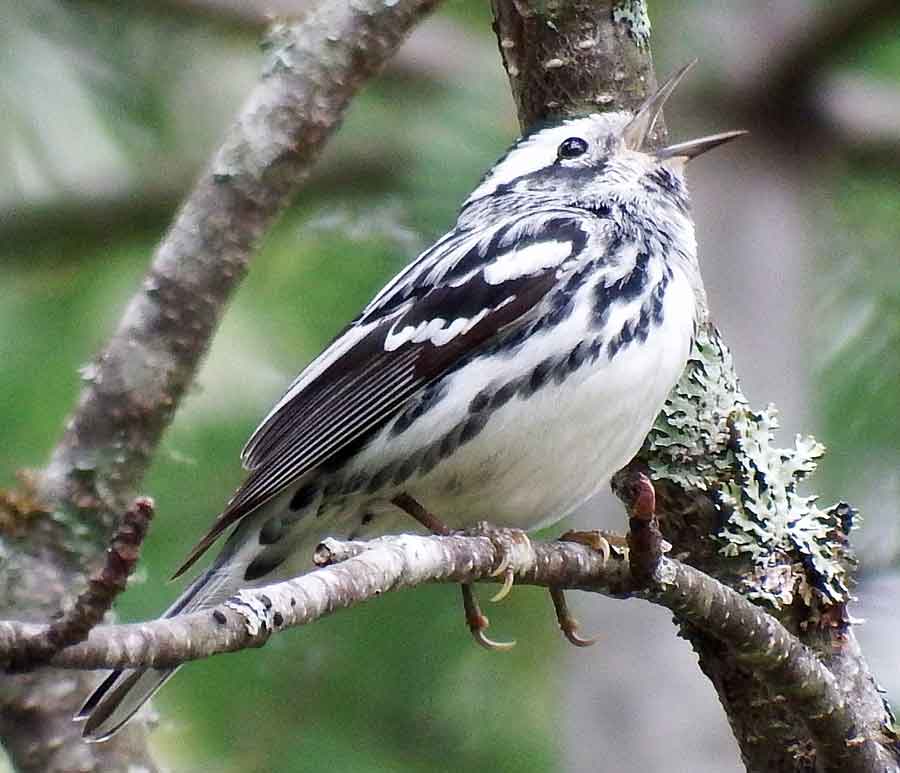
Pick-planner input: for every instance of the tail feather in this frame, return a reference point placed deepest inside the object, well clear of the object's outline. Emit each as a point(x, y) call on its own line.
point(118, 699)
point(123, 692)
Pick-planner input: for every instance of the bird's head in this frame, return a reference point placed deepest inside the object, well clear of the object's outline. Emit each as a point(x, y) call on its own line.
point(595, 158)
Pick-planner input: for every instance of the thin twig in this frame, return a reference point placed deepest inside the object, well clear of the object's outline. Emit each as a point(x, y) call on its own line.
point(645, 540)
point(103, 588)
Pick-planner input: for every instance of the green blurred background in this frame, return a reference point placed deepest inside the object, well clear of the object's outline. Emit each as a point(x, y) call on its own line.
point(109, 111)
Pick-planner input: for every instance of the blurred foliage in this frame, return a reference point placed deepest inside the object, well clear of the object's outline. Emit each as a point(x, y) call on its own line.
point(860, 337)
point(106, 97)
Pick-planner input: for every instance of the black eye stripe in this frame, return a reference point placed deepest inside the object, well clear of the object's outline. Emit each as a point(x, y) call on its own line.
point(572, 148)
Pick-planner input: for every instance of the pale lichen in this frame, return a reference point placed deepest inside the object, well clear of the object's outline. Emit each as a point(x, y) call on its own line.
point(632, 14)
point(708, 438)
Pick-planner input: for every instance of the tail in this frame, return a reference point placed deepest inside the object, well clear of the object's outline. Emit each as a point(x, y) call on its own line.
point(118, 699)
point(122, 693)
point(246, 560)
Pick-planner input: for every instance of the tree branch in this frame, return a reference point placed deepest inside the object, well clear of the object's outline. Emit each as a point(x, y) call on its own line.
point(136, 383)
point(357, 571)
point(312, 71)
point(89, 608)
point(575, 57)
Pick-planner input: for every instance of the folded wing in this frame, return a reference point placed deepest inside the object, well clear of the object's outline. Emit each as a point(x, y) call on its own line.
point(450, 301)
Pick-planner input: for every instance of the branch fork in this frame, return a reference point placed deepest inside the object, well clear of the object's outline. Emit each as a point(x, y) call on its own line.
point(95, 601)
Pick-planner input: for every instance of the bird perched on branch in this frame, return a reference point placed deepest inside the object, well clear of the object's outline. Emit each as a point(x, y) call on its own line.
point(505, 374)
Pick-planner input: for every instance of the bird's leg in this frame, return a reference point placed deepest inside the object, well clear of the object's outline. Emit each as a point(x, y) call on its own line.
point(503, 541)
point(644, 542)
point(567, 622)
point(429, 520)
point(604, 543)
point(476, 620)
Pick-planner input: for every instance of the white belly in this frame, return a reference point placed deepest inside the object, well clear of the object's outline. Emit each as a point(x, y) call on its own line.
point(538, 457)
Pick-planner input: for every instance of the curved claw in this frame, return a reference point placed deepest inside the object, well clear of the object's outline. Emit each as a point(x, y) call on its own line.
point(605, 550)
point(475, 619)
point(568, 624)
point(571, 634)
point(595, 540)
point(478, 623)
point(505, 588)
point(503, 566)
point(489, 644)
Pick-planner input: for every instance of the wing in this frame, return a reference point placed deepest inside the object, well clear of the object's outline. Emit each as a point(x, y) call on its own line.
point(447, 303)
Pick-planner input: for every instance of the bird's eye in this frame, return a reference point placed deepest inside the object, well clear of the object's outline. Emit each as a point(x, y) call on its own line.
point(572, 148)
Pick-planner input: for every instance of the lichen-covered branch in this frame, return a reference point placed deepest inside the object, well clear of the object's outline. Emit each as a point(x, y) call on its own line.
point(709, 440)
point(135, 384)
point(357, 571)
point(841, 735)
point(729, 500)
point(731, 505)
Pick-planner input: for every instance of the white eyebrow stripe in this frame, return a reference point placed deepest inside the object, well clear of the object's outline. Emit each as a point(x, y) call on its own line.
point(538, 150)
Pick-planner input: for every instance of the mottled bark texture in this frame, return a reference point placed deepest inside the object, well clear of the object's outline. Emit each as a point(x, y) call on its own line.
point(571, 58)
point(568, 57)
point(58, 529)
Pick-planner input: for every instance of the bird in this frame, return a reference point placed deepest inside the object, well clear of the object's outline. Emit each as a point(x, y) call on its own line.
point(504, 375)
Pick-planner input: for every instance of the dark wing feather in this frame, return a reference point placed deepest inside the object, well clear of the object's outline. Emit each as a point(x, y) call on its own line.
point(380, 361)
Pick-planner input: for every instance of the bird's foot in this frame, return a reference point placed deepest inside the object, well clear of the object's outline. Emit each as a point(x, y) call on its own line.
point(568, 624)
point(478, 623)
point(506, 543)
point(476, 620)
point(604, 543)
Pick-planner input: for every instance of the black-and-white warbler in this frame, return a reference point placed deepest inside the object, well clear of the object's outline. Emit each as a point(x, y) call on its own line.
point(505, 374)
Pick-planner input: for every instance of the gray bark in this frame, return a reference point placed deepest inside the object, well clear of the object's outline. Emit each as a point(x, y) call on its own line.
point(134, 386)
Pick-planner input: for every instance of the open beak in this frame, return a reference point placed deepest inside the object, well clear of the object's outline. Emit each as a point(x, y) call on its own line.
point(644, 119)
point(693, 148)
point(637, 130)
